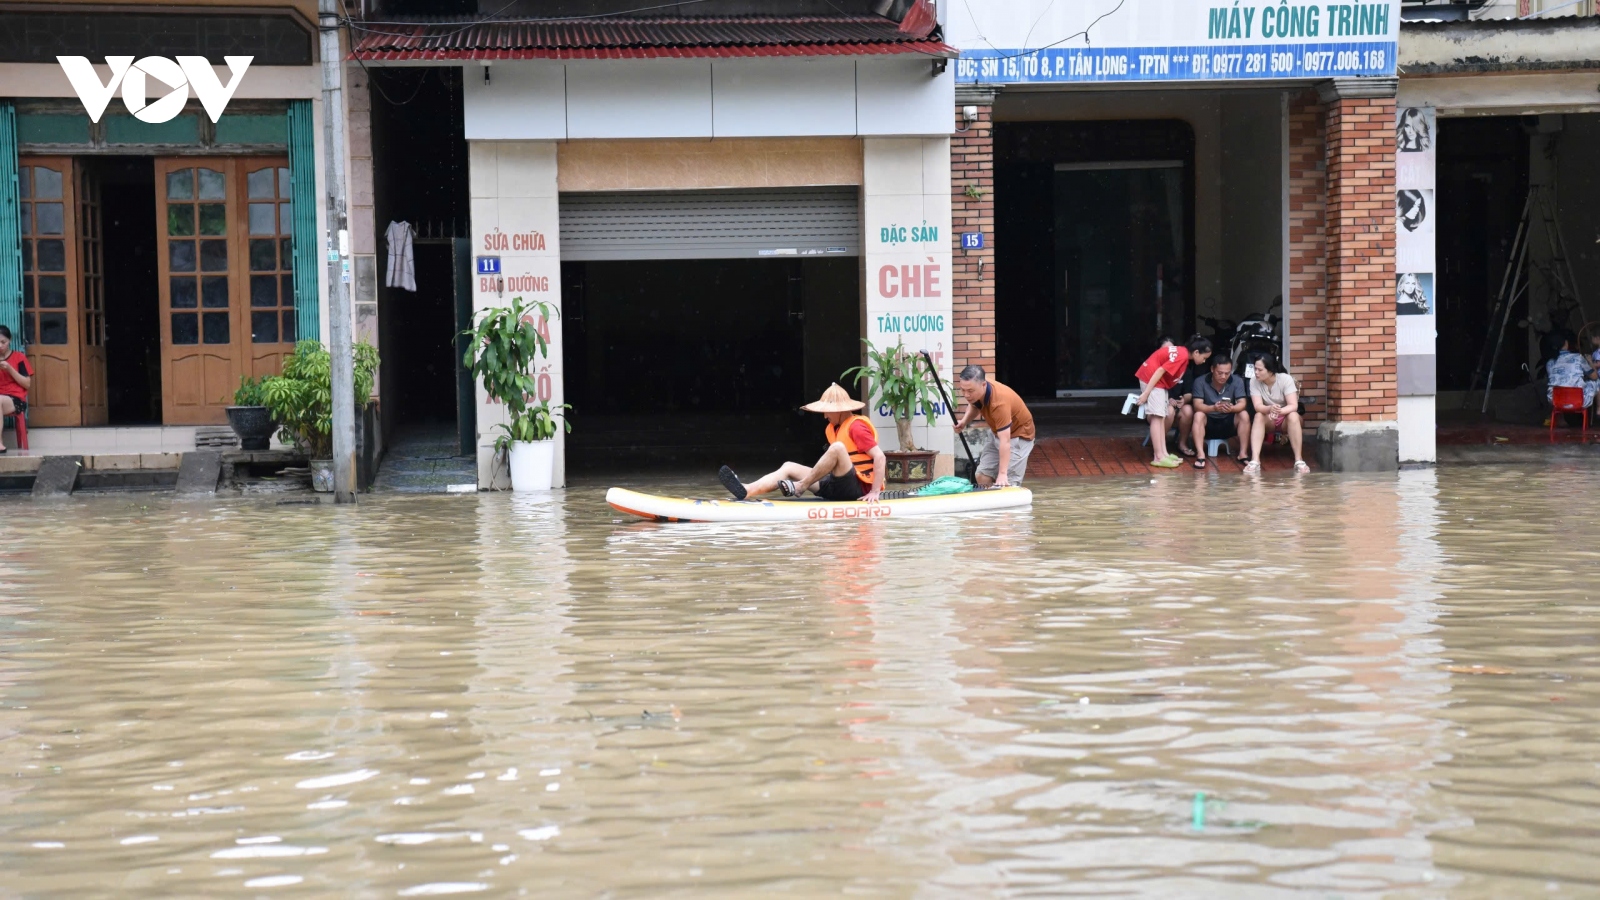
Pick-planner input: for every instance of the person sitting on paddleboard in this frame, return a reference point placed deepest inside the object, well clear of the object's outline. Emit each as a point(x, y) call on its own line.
point(850, 469)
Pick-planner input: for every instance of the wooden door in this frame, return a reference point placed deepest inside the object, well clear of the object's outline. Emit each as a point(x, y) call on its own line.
point(198, 265)
point(92, 295)
point(226, 268)
point(269, 230)
point(50, 285)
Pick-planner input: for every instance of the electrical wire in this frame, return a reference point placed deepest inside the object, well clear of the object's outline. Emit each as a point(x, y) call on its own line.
point(1021, 53)
point(1045, 12)
point(384, 94)
point(373, 83)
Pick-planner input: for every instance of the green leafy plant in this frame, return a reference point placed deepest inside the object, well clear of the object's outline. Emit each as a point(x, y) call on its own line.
point(502, 350)
point(301, 399)
point(251, 392)
point(540, 424)
point(901, 380)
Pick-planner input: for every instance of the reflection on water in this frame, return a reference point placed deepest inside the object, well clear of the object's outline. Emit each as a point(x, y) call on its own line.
point(1380, 686)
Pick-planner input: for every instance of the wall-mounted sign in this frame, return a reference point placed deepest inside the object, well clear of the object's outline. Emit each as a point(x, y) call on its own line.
point(1040, 41)
point(972, 240)
point(488, 265)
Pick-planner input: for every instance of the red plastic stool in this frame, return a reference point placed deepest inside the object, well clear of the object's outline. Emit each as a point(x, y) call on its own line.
point(1568, 400)
point(21, 424)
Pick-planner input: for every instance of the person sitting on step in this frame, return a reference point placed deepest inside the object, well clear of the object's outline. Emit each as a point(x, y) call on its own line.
point(1221, 409)
point(852, 468)
point(1277, 401)
point(16, 376)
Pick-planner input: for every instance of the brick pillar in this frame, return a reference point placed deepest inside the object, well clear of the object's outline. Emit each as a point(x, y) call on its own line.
point(972, 209)
point(1361, 432)
point(1306, 308)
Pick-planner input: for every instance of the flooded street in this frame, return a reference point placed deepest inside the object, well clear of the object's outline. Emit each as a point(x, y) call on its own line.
point(1380, 686)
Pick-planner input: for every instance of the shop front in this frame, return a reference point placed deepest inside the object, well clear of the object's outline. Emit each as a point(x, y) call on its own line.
point(1497, 128)
point(163, 238)
point(1168, 169)
point(715, 222)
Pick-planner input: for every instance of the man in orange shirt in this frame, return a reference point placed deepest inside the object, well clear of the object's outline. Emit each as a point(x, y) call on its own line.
point(852, 468)
point(1005, 459)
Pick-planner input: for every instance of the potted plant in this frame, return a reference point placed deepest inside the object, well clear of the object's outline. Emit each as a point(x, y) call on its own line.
point(301, 400)
point(530, 446)
point(249, 415)
point(904, 382)
point(501, 352)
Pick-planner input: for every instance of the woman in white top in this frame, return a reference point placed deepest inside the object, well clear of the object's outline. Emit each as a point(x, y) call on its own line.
point(1277, 403)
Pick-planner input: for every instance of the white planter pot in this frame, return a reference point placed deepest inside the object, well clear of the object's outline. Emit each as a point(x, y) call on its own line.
point(533, 465)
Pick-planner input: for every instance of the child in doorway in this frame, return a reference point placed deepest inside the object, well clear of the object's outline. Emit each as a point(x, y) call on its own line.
point(1159, 374)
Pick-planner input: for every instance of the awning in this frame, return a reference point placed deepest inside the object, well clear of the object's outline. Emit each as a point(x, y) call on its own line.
point(675, 37)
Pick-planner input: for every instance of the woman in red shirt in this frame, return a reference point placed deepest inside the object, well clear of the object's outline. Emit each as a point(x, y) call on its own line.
point(15, 378)
point(1159, 374)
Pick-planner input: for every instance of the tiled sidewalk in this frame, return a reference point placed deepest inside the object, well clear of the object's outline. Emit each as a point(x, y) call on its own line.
point(1055, 457)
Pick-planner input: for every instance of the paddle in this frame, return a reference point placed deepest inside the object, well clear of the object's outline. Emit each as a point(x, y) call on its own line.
point(972, 464)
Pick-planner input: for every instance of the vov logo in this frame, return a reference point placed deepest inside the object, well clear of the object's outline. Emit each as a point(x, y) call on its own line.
point(135, 78)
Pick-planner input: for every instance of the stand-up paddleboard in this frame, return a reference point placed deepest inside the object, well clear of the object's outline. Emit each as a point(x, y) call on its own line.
point(896, 505)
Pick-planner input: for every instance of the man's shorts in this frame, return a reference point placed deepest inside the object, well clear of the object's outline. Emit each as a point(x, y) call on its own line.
point(1158, 405)
point(835, 487)
point(1220, 428)
point(989, 459)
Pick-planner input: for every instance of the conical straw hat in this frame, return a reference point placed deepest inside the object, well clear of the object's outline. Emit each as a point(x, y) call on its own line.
point(834, 399)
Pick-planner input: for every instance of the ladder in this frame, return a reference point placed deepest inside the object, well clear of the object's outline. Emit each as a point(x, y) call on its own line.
point(1557, 274)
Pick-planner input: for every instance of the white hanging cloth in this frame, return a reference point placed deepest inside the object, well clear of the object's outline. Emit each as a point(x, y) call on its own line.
point(400, 271)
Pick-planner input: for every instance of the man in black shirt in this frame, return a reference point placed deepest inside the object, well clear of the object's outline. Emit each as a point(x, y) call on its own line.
point(1224, 400)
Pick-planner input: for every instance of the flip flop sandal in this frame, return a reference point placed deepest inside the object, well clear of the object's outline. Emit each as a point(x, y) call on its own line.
point(731, 482)
point(1199, 464)
point(1186, 451)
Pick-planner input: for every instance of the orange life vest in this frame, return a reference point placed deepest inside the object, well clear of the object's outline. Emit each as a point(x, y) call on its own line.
point(858, 458)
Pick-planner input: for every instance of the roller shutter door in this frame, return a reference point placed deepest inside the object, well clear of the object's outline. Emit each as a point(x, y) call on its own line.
point(730, 224)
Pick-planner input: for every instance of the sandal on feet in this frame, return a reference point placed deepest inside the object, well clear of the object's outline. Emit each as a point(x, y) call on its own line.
point(1252, 467)
point(1200, 463)
point(1186, 451)
point(1168, 462)
point(788, 488)
point(731, 482)
point(1300, 467)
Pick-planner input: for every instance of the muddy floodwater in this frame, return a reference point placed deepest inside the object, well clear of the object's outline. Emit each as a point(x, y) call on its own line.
point(1319, 686)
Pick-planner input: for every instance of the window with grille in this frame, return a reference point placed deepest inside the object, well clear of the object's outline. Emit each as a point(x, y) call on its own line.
point(271, 227)
point(43, 213)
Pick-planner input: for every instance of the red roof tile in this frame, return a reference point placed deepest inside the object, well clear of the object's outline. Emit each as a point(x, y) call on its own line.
point(642, 38)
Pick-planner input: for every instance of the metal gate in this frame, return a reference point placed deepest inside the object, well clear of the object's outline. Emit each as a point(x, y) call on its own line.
point(726, 224)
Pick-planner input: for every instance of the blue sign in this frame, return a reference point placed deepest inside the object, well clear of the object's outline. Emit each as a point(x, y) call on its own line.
point(972, 240)
point(1214, 63)
point(488, 265)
